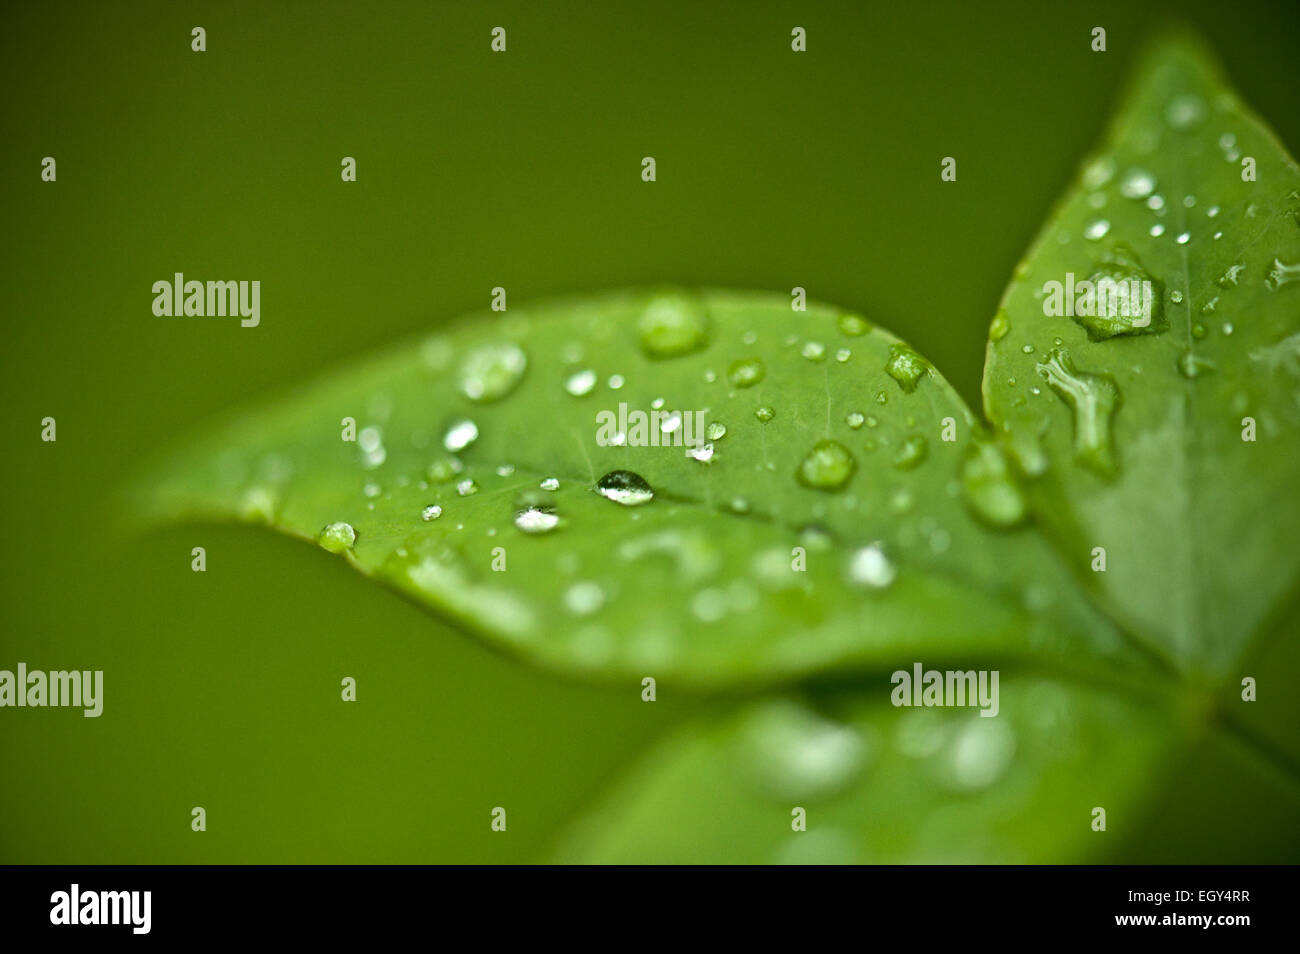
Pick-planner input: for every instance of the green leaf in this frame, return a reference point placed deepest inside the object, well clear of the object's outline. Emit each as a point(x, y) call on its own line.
point(1130, 425)
point(833, 459)
point(885, 785)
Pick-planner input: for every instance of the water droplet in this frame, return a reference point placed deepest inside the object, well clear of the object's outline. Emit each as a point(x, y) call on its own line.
point(1028, 349)
point(716, 431)
point(1227, 328)
point(1281, 274)
point(843, 355)
point(625, 487)
point(372, 490)
point(1126, 300)
point(580, 383)
point(1183, 238)
point(1198, 331)
point(764, 413)
point(536, 520)
point(703, 453)
point(671, 422)
point(1193, 365)
point(828, 466)
point(1157, 230)
point(550, 483)
point(1096, 230)
point(1212, 211)
point(1176, 297)
point(905, 366)
point(746, 372)
point(882, 397)
point(1098, 172)
point(460, 435)
point(793, 754)
point(870, 567)
point(431, 512)
point(1093, 399)
point(855, 326)
point(1185, 111)
point(584, 598)
point(1189, 201)
point(337, 537)
point(466, 487)
point(854, 420)
point(615, 382)
point(814, 351)
point(987, 485)
point(1229, 278)
point(672, 325)
point(491, 371)
point(999, 327)
point(1137, 184)
point(1156, 203)
point(444, 469)
point(981, 752)
point(911, 453)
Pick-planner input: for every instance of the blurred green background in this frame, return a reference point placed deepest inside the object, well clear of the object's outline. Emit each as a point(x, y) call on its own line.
point(474, 170)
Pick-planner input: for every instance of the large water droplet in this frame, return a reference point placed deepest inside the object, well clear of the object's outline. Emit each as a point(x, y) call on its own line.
point(794, 754)
point(535, 520)
point(625, 487)
point(1093, 398)
point(828, 466)
point(746, 372)
point(672, 325)
point(460, 435)
point(1125, 300)
point(337, 537)
point(491, 371)
point(1281, 274)
point(988, 487)
point(905, 366)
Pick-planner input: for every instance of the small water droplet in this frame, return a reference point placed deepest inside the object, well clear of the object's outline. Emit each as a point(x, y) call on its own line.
point(584, 598)
point(1028, 349)
point(1098, 172)
point(550, 483)
point(337, 537)
point(580, 383)
point(746, 372)
point(616, 381)
point(625, 487)
point(716, 431)
point(1156, 203)
point(981, 753)
point(814, 351)
point(1193, 365)
point(1189, 201)
point(460, 435)
point(1212, 211)
point(1096, 230)
point(764, 413)
point(703, 453)
point(431, 512)
point(911, 453)
point(1227, 328)
point(1183, 238)
point(791, 753)
point(843, 355)
point(466, 487)
point(1185, 111)
point(1176, 297)
point(1137, 184)
point(828, 466)
point(491, 371)
point(1198, 331)
point(672, 325)
point(870, 567)
point(1157, 230)
point(855, 326)
point(854, 420)
point(444, 469)
point(999, 327)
